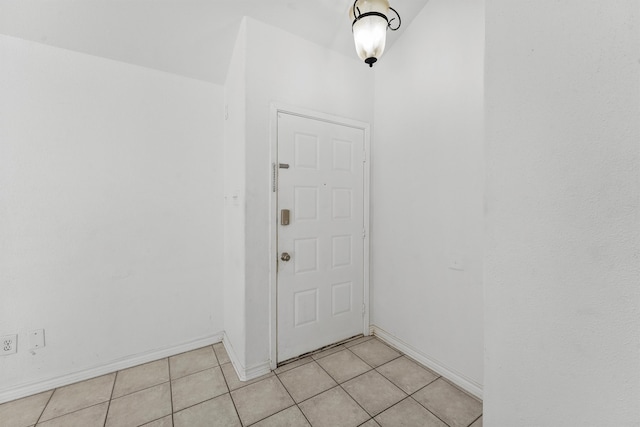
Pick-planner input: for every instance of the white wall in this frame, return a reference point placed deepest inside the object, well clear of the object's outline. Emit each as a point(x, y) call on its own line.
point(427, 182)
point(110, 210)
point(562, 300)
point(234, 196)
point(284, 68)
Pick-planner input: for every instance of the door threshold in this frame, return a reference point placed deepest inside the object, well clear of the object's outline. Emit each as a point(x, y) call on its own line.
point(321, 349)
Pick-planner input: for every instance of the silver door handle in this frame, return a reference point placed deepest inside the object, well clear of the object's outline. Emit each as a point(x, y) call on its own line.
point(285, 256)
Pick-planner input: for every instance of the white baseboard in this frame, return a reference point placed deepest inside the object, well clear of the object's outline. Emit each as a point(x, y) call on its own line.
point(452, 375)
point(258, 370)
point(28, 389)
point(245, 374)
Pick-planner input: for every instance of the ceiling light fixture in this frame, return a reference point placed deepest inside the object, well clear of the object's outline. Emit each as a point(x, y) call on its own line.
point(369, 27)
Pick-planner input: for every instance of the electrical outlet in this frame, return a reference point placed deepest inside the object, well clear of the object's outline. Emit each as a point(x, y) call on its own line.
point(8, 344)
point(36, 339)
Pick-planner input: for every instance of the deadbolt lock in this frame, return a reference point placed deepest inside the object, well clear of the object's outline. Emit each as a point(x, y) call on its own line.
point(285, 256)
point(284, 217)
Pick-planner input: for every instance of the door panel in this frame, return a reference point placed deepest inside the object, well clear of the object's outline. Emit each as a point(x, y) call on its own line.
point(321, 287)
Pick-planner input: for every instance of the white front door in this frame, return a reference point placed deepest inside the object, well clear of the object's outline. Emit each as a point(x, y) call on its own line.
point(320, 283)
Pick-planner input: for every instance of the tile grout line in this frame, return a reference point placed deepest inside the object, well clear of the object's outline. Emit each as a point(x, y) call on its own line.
point(111, 398)
point(349, 348)
point(206, 400)
point(142, 389)
point(357, 403)
point(340, 385)
point(452, 385)
point(395, 404)
point(424, 386)
point(294, 401)
point(324, 391)
point(45, 406)
point(76, 410)
point(317, 394)
point(391, 360)
point(138, 391)
point(184, 376)
point(310, 397)
point(407, 394)
point(278, 374)
point(411, 397)
point(188, 407)
point(284, 409)
point(419, 403)
point(171, 384)
point(218, 365)
point(233, 402)
point(438, 377)
point(113, 387)
point(171, 390)
point(68, 413)
point(374, 369)
point(433, 413)
point(448, 381)
point(479, 416)
point(369, 420)
point(412, 361)
point(187, 375)
point(337, 382)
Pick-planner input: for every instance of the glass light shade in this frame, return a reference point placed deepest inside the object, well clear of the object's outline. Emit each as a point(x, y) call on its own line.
point(370, 32)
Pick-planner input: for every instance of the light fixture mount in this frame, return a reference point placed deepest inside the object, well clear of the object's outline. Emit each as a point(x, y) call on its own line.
point(369, 26)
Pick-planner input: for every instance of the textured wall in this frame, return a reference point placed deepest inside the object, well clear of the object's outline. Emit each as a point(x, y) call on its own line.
point(427, 188)
point(110, 210)
point(562, 294)
point(234, 197)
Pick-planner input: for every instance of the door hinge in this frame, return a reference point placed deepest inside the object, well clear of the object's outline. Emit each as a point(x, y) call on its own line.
point(364, 308)
point(364, 157)
point(364, 233)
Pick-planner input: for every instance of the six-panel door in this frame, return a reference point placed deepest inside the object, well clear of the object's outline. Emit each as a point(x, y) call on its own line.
point(320, 288)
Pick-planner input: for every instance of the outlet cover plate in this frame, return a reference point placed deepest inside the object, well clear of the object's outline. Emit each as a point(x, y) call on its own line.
point(8, 344)
point(36, 339)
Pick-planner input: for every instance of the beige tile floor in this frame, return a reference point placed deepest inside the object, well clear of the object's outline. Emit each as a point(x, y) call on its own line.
point(360, 383)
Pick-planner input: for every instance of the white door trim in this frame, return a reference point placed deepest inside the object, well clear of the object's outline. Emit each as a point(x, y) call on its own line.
point(273, 214)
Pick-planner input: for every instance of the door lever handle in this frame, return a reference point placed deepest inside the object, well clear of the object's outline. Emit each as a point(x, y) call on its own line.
point(285, 256)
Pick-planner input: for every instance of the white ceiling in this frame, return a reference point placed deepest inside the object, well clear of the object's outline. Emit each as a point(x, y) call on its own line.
point(193, 38)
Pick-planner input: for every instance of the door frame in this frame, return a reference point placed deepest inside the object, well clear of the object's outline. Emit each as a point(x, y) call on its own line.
point(275, 109)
